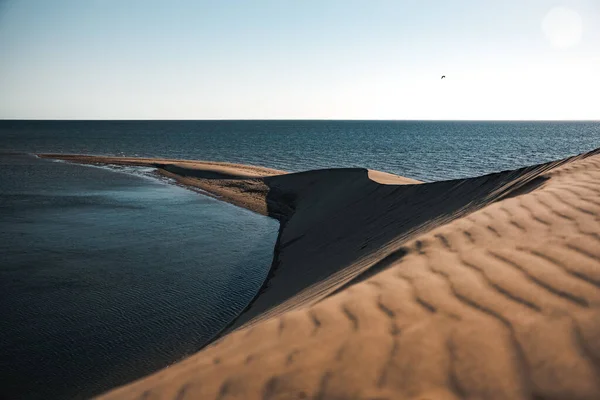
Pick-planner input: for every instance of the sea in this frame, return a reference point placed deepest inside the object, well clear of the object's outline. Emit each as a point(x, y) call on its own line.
point(110, 273)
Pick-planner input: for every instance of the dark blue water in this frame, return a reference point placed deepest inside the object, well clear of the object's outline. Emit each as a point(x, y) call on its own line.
point(418, 149)
point(106, 276)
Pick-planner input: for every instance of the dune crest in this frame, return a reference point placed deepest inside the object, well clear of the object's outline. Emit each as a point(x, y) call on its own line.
point(485, 287)
point(390, 179)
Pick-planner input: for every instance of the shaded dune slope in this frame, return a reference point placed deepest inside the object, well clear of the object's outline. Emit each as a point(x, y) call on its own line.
point(485, 287)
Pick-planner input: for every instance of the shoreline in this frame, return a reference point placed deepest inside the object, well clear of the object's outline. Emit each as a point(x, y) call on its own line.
point(274, 193)
point(228, 170)
point(258, 189)
point(454, 289)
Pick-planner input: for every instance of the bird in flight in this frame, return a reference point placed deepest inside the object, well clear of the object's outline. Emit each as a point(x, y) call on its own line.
point(443, 76)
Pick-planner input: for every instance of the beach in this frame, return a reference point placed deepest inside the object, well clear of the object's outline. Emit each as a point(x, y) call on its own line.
point(384, 287)
point(389, 200)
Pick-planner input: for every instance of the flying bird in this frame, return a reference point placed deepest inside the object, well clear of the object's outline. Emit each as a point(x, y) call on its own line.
point(443, 76)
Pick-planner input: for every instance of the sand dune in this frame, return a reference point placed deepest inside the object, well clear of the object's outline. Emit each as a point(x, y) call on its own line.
point(486, 287)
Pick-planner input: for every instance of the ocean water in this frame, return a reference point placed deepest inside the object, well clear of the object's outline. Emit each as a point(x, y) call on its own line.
point(109, 274)
point(418, 149)
point(106, 276)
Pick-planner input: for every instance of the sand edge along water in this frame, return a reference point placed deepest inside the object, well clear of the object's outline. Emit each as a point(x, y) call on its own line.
point(485, 287)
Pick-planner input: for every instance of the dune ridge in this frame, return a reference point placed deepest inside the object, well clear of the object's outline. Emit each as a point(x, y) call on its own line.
point(485, 287)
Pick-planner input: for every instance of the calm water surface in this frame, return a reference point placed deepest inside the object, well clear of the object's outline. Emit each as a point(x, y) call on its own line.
point(418, 149)
point(106, 276)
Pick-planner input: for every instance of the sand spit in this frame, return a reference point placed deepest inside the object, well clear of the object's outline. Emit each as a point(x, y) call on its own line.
point(486, 287)
point(235, 183)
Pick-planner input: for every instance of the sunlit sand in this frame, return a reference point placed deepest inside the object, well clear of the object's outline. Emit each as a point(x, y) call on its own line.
point(486, 287)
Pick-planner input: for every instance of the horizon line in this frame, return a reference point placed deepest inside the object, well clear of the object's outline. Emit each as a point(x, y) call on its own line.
point(283, 119)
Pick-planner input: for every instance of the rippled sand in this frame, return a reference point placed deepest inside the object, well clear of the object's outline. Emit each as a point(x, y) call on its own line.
point(486, 287)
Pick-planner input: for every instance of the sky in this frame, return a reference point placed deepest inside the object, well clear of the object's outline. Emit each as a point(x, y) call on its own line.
point(303, 59)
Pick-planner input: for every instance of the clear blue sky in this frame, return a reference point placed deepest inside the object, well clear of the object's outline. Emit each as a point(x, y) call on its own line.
point(322, 59)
